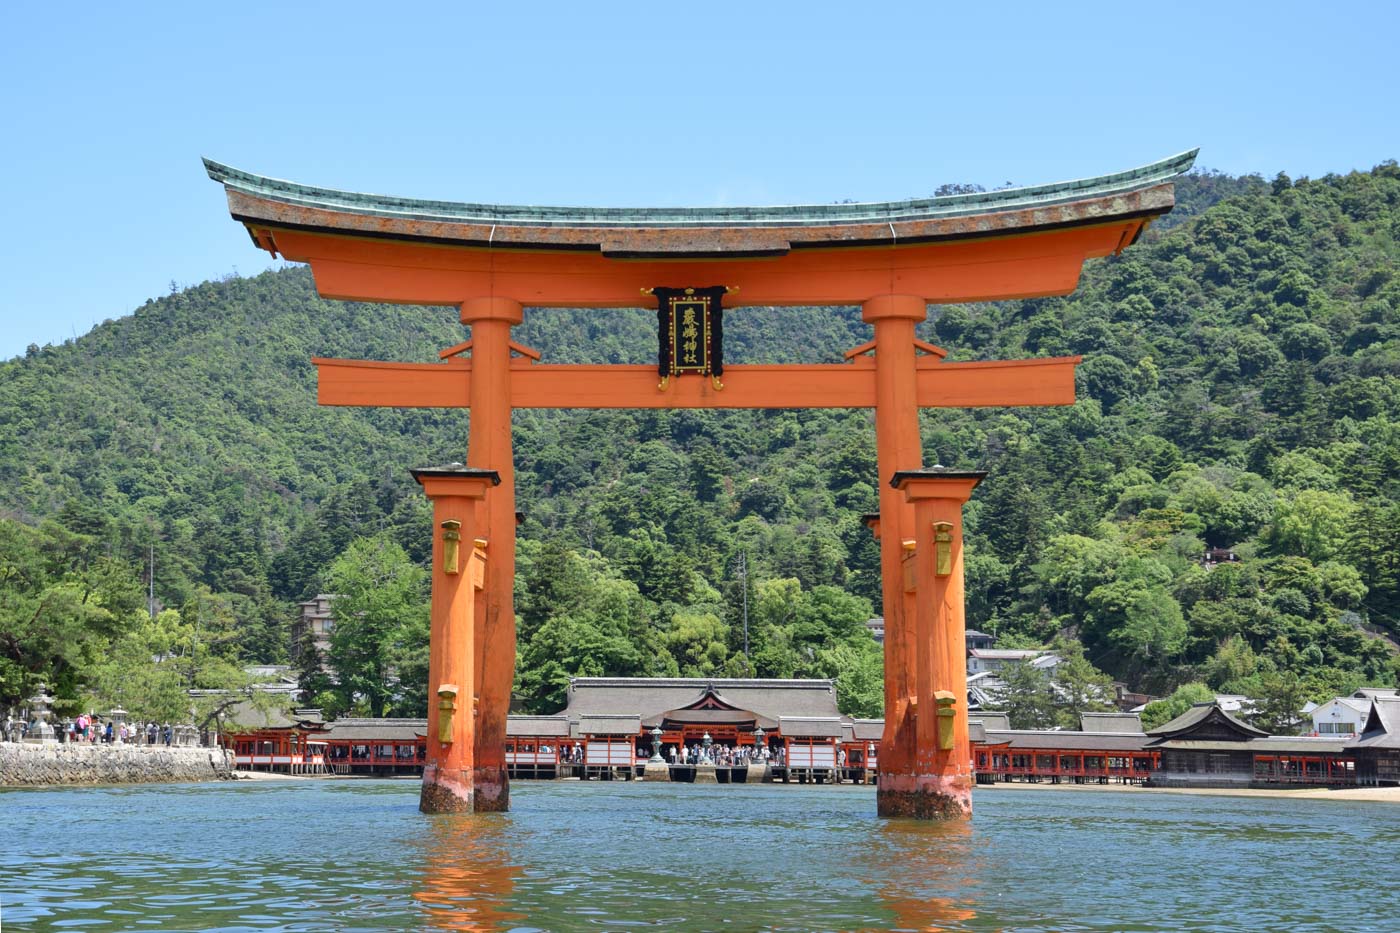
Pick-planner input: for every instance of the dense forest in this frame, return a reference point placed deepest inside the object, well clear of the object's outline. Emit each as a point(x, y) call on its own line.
point(1238, 391)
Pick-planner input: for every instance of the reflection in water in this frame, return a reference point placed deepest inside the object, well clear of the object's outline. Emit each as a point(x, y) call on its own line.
point(914, 866)
point(321, 856)
point(467, 874)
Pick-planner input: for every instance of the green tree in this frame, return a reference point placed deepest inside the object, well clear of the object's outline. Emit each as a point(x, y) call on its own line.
point(699, 643)
point(1027, 696)
point(566, 647)
point(1278, 703)
point(1311, 523)
point(379, 593)
point(1182, 699)
point(61, 603)
point(1079, 687)
point(858, 667)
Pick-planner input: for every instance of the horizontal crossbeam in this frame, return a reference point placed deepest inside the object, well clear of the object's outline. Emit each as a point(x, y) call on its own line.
point(825, 385)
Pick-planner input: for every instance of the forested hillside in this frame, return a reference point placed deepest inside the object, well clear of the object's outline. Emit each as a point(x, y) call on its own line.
point(1238, 391)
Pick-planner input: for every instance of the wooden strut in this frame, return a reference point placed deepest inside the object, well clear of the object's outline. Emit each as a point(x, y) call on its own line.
point(920, 345)
point(463, 348)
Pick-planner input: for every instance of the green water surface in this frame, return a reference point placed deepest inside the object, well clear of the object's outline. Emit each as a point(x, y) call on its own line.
point(344, 855)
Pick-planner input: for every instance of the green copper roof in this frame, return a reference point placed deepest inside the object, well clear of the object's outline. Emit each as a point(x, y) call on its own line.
point(1008, 199)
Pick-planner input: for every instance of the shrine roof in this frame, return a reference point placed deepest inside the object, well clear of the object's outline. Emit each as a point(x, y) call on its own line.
point(532, 726)
point(1068, 741)
point(364, 729)
point(1201, 716)
point(817, 727)
point(258, 200)
point(653, 697)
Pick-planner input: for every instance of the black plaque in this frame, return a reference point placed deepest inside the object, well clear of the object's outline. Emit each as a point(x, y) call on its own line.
point(690, 331)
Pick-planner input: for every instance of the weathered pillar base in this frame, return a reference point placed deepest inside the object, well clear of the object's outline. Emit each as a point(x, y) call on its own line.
point(924, 797)
point(445, 791)
point(656, 772)
point(705, 774)
point(492, 790)
point(758, 774)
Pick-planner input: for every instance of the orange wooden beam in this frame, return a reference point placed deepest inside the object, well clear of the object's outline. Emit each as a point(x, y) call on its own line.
point(825, 385)
point(991, 268)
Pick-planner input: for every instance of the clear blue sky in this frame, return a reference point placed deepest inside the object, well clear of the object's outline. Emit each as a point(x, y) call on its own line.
point(106, 109)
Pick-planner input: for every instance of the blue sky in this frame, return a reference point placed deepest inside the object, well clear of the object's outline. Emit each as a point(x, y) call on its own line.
point(105, 111)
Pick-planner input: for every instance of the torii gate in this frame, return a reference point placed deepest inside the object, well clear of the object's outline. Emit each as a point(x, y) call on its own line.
point(891, 258)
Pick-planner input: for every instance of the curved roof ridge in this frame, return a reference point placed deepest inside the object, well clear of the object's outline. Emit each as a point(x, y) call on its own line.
point(700, 682)
point(1199, 713)
point(954, 205)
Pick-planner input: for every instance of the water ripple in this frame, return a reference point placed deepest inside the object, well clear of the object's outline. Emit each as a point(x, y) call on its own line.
point(356, 855)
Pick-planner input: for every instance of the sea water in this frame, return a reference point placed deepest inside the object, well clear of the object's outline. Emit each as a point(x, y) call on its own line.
point(351, 854)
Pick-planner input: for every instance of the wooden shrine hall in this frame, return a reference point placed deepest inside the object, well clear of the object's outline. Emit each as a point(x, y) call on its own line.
point(892, 259)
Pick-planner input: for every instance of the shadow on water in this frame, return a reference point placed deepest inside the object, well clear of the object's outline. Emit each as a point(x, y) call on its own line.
point(925, 874)
point(466, 872)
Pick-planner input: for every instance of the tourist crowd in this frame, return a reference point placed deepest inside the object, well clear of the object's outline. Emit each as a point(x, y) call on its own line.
point(93, 730)
point(721, 756)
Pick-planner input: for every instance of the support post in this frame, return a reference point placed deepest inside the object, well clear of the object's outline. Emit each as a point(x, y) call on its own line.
point(489, 448)
point(458, 573)
point(893, 318)
point(943, 777)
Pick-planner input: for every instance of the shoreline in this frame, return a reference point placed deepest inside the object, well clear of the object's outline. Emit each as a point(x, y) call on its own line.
point(1354, 794)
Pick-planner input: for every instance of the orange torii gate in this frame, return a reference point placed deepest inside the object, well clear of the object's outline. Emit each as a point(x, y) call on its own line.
point(892, 259)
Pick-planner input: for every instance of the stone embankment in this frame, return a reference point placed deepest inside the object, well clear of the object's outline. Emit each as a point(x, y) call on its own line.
point(23, 765)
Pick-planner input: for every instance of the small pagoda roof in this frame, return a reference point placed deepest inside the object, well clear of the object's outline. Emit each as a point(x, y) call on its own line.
point(265, 202)
point(867, 730)
point(653, 697)
point(537, 726)
point(609, 725)
point(1206, 721)
point(1110, 722)
point(816, 727)
point(1382, 728)
point(991, 719)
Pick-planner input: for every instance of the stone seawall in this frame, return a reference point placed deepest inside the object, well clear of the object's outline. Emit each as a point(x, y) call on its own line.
point(23, 765)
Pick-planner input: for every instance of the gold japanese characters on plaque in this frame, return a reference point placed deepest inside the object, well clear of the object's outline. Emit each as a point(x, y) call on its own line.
point(690, 332)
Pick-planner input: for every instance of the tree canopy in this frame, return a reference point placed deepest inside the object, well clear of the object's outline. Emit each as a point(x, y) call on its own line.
point(1238, 392)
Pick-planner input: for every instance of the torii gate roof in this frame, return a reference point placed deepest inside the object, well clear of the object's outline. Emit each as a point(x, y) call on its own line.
point(702, 232)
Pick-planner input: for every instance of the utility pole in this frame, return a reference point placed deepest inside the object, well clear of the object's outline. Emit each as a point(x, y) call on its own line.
point(742, 569)
point(151, 593)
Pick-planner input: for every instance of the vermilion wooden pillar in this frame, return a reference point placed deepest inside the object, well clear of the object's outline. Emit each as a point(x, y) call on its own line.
point(489, 448)
point(898, 448)
point(459, 560)
point(942, 774)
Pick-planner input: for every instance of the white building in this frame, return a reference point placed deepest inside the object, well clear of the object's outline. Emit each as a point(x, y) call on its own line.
point(1345, 716)
point(994, 659)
